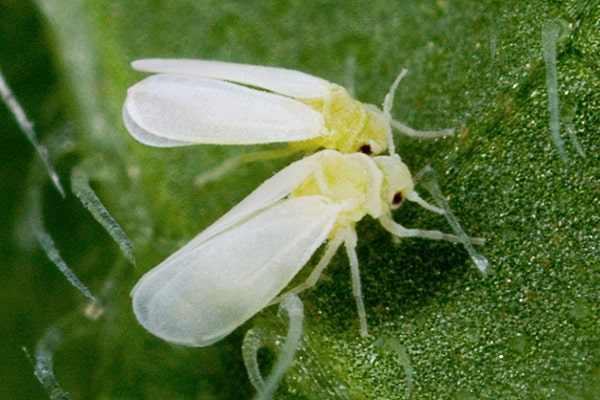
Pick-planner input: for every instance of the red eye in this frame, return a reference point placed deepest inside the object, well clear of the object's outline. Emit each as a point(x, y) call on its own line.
point(366, 149)
point(397, 200)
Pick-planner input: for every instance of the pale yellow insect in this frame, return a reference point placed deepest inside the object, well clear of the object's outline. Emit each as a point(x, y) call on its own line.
point(242, 262)
point(213, 102)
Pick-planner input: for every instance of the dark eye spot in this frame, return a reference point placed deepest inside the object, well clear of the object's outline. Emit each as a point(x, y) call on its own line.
point(397, 199)
point(366, 149)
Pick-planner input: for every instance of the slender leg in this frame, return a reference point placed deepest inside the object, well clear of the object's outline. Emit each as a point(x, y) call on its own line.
point(350, 244)
point(330, 251)
point(398, 230)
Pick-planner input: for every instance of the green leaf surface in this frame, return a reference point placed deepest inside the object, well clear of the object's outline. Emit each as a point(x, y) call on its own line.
point(439, 330)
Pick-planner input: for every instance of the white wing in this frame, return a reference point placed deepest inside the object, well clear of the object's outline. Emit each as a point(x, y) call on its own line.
point(178, 110)
point(280, 80)
point(201, 294)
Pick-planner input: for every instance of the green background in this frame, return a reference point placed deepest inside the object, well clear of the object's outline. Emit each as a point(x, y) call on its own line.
point(439, 330)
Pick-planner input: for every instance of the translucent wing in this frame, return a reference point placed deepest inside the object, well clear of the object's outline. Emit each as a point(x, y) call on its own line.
point(280, 80)
point(201, 294)
point(178, 110)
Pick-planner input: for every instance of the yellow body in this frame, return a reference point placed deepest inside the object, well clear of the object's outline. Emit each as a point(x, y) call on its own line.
point(360, 184)
point(349, 125)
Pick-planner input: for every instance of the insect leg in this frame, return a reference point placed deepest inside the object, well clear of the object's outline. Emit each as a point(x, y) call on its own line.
point(350, 244)
point(398, 230)
point(330, 251)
